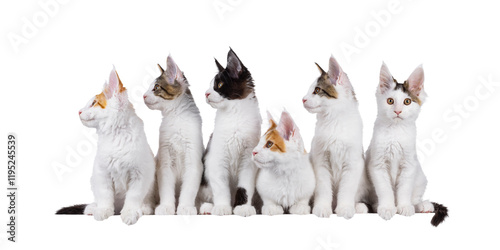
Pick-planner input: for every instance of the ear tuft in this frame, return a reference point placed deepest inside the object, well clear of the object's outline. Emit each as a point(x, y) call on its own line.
point(219, 66)
point(321, 71)
point(161, 69)
point(234, 65)
point(272, 123)
point(386, 80)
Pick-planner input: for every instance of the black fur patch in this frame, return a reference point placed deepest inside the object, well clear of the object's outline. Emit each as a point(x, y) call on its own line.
point(241, 197)
point(440, 214)
point(233, 84)
point(75, 209)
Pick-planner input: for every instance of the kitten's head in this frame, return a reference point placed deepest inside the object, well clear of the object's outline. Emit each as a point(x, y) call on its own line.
point(166, 88)
point(330, 90)
point(231, 83)
point(112, 99)
point(281, 143)
point(400, 101)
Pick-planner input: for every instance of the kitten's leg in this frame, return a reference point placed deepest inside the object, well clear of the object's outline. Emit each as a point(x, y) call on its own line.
point(190, 184)
point(102, 187)
point(270, 207)
point(323, 194)
point(301, 207)
point(138, 187)
point(148, 207)
point(418, 192)
point(382, 182)
point(404, 189)
point(218, 176)
point(246, 187)
point(348, 188)
point(166, 186)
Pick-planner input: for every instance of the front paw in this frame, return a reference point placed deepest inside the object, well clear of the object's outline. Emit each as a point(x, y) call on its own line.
point(164, 209)
point(425, 207)
point(407, 210)
point(244, 210)
point(300, 209)
point(130, 215)
point(361, 208)
point(322, 211)
point(222, 210)
point(346, 211)
point(147, 209)
point(186, 210)
point(386, 212)
point(206, 208)
point(102, 213)
point(89, 209)
point(272, 210)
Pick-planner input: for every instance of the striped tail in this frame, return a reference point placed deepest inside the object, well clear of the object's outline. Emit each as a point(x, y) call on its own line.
point(440, 214)
point(75, 209)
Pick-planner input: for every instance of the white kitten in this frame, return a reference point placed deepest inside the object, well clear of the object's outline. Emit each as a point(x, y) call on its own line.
point(337, 146)
point(229, 170)
point(286, 177)
point(391, 158)
point(180, 152)
point(124, 166)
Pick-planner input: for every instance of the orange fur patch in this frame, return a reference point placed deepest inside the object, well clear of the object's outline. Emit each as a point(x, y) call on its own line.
point(100, 100)
point(274, 136)
point(120, 84)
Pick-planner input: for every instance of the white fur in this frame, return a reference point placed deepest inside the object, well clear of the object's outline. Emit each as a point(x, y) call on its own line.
point(124, 166)
point(391, 159)
point(285, 179)
point(228, 162)
point(337, 149)
point(181, 148)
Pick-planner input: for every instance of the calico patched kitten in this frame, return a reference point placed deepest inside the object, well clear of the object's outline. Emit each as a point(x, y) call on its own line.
point(179, 158)
point(337, 145)
point(124, 167)
point(229, 170)
point(391, 159)
point(285, 181)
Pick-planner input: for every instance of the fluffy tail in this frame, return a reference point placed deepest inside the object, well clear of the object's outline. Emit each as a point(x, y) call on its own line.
point(75, 209)
point(440, 214)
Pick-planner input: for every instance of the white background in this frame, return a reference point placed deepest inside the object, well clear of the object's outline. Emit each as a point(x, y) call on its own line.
point(49, 76)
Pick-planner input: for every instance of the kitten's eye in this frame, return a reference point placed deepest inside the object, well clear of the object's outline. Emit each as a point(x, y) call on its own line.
point(316, 90)
point(220, 84)
point(390, 101)
point(407, 101)
point(156, 87)
point(93, 103)
point(269, 144)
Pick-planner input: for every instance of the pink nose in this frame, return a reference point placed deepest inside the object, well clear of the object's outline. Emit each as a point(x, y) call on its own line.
point(144, 97)
point(398, 112)
point(304, 100)
point(206, 95)
point(254, 153)
point(79, 112)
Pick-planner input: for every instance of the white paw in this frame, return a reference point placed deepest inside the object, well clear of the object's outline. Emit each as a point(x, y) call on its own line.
point(89, 209)
point(272, 210)
point(206, 208)
point(147, 209)
point(322, 211)
point(186, 210)
point(408, 210)
point(130, 215)
point(361, 208)
point(163, 209)
point(300, 209)
point(244, 210)
point(347, 211)
point(222, 210)
point(102, 213)
point(425, 207)
point(386, 212)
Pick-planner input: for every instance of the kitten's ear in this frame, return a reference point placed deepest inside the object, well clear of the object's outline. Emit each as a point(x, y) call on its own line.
point(416, 81)
point(161, 69)
point(234, 65)
point(334, 71)
point(114, 86)
point(173, 71)
point(321, 71)
point(272, 123)
point(287, 127)
point(386, 80)
point(219, 66)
